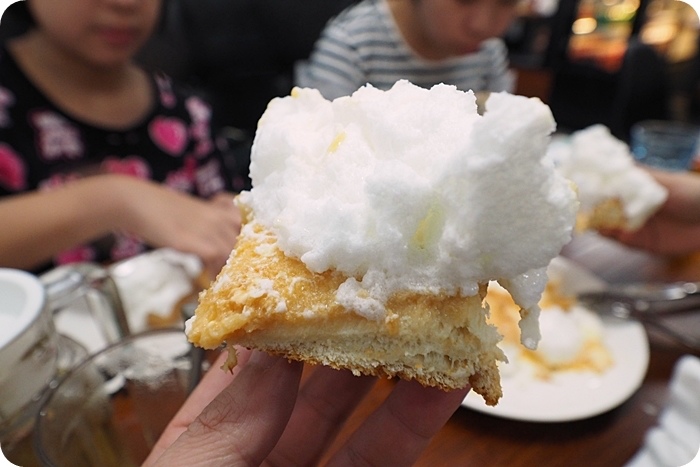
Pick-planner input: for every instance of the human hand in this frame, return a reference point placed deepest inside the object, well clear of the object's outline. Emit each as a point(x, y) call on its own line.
point(675, 228)
point(661, 235)
point(683, 203)
point(167, 218)
point(260, 415)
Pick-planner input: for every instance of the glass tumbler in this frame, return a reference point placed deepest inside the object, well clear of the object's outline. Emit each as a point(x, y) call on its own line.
point(33, 356)
point(665, 144)
point(110, 410)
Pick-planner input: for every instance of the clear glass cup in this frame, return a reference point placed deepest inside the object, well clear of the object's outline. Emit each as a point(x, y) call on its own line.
point(665, 144)
point(110, 410)
point(89, 286)
point(18, 447)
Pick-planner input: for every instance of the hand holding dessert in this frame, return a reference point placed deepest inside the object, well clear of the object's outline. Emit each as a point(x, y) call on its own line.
point(260, 412)
point(614, 191)
point(675, 228)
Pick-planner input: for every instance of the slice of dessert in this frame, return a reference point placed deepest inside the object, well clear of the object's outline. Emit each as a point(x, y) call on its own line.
point(615, 193)
point(375, 223)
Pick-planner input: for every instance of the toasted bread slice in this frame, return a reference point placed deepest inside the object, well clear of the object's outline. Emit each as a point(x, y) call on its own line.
point(265, 300)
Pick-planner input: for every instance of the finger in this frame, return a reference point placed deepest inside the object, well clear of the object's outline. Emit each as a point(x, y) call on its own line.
point(213, 266)
point(325, 401)
point(224, 199)
point(409, 418)
point(216, 252)
point(219, 243)
point(612, 233)
point(213, 382)
point(243, 423)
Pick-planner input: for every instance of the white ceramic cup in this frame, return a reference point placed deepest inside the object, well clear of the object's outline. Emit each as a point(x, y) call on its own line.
point(28, 353)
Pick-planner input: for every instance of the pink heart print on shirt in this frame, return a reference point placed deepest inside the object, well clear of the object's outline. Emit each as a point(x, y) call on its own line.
point(169, 134)
point(183, 179)
point(126, 246)
point(134, 166)
point(76, 255)
point(12, 170)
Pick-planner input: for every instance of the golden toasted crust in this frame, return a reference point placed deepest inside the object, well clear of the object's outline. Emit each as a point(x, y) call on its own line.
point(263, 299)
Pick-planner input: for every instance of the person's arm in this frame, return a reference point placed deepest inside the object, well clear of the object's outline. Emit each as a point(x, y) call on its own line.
point(41, 224)
point(38, 225)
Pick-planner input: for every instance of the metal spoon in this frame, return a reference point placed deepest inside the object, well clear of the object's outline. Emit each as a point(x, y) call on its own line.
point(647, 298)
point(648, 303)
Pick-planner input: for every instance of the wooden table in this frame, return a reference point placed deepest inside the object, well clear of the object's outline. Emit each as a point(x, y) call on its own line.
point(610, 439)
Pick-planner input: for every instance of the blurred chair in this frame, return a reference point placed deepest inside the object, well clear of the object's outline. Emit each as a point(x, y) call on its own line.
point(240, 53)
point(584, 93)
point(642, 89)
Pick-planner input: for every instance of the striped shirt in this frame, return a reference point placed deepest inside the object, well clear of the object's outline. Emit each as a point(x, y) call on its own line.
point(363, 45)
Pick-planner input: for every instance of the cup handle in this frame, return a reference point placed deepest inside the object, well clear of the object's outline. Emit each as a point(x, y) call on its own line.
point(100, 280)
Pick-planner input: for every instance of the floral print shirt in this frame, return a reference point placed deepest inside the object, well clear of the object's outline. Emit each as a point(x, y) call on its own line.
point(42, 147)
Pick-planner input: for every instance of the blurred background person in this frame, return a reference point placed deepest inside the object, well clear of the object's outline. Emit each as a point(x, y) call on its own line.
point(427, 42)
point(100, 160)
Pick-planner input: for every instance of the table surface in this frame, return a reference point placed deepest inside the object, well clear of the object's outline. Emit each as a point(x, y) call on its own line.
point(609, 439)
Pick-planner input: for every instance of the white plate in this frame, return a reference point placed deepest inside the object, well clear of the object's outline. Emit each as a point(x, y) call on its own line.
point(572, 395)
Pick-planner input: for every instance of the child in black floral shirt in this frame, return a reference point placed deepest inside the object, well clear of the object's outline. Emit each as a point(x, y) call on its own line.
point(98, 159)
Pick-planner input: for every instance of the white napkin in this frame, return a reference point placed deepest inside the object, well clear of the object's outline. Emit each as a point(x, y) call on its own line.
point(675, 440)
